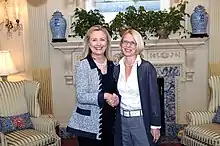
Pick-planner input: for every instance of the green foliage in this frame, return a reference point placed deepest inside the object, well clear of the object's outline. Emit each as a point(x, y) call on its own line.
point(168, 20)
point(83, 20)
point(131, 18)
point(143, 21)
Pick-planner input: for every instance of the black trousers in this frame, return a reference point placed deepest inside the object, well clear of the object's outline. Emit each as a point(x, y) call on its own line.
point(83, 141)
point(107, 136)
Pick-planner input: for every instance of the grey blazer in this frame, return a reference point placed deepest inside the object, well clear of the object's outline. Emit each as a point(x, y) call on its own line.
point(150, 102)
point(85, 120)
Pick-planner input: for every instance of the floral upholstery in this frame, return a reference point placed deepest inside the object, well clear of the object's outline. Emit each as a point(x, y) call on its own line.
point(216, 118)
point(201, 131)
point(14, 123)
point(20, 98)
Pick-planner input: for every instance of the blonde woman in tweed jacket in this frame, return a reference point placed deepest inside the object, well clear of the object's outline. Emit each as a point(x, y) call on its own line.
point(93, 118)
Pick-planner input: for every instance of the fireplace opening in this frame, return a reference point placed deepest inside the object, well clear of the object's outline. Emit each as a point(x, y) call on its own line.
point(160, 83)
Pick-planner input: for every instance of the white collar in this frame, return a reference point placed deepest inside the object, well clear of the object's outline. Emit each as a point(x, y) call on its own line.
point(137, 60)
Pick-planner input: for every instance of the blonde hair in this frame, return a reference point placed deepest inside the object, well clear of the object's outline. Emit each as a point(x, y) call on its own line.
point(138, 39)
point(87, 51)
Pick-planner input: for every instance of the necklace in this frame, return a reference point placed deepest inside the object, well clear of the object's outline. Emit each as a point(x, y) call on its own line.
point(101, 65)
point(129, 65)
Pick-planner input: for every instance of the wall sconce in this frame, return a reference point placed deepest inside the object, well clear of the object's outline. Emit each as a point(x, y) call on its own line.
point(7, 66)
point(9, 24)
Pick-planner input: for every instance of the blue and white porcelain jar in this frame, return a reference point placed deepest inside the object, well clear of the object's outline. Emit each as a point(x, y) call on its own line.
point(199, 20)
point(58, 27)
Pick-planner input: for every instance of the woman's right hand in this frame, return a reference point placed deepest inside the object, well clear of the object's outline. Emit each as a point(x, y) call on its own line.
point(116, 102)
point(112, 99)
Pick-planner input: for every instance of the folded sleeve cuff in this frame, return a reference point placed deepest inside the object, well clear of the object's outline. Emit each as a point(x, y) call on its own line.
point(101, 99)
point(155, 127)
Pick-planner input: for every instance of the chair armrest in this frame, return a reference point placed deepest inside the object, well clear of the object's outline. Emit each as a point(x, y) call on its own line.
point(199, 117)
point(3, 141)
point(45, 124)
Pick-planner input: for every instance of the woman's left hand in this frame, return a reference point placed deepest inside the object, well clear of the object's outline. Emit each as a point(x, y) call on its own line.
point(116, 102)
point(156, 134)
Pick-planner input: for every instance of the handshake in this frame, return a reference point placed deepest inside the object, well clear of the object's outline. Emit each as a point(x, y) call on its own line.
point(111, 99)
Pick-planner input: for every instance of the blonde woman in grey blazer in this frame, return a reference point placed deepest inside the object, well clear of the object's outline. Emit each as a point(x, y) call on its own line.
point(138, 118)
point(93, 118)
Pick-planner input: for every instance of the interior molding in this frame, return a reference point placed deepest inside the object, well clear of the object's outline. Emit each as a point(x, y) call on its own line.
point(165, 55)
point(161, 51)
point(71, 53)
point(36, 43)
point(177, 99)
point(214, 31)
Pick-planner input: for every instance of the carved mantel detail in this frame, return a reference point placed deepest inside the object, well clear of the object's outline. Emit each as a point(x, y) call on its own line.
point(159, 52)
point(164, 55)
point(71, 52)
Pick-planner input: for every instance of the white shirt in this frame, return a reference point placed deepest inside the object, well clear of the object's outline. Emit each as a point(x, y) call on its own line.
point(129, 90)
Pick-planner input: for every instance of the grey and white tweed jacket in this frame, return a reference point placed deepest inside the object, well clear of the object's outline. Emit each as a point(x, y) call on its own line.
point(87, 115)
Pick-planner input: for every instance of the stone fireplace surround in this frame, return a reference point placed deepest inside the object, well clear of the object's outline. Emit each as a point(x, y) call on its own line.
point(183, 63)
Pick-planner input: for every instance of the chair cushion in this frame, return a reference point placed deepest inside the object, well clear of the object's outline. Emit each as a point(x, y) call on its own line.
point(29, 137)
point(14, 123)
point(31, 95)
point(214, 84)
point(216, 118)
point(206, 133)
point(12, 98)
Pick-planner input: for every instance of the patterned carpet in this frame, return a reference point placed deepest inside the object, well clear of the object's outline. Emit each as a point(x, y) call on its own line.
point(65, 135)
point(168, 140)
point(163, 141)
point(73, 142)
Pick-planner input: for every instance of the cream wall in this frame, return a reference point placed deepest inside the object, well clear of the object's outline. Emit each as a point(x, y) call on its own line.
point(63, 95)
point(15, 44)
point(190, 87)
point(214, 62)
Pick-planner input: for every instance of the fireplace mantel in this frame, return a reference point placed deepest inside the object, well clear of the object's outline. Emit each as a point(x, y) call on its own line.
point(182, 63)
point(159, 52)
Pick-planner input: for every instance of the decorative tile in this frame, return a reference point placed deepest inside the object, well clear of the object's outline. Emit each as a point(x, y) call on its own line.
point(170, 113)
point(173, 129)
point(169, 73)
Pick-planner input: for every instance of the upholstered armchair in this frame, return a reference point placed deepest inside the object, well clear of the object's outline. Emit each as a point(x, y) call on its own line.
point(21, 122)
point(201, 130)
